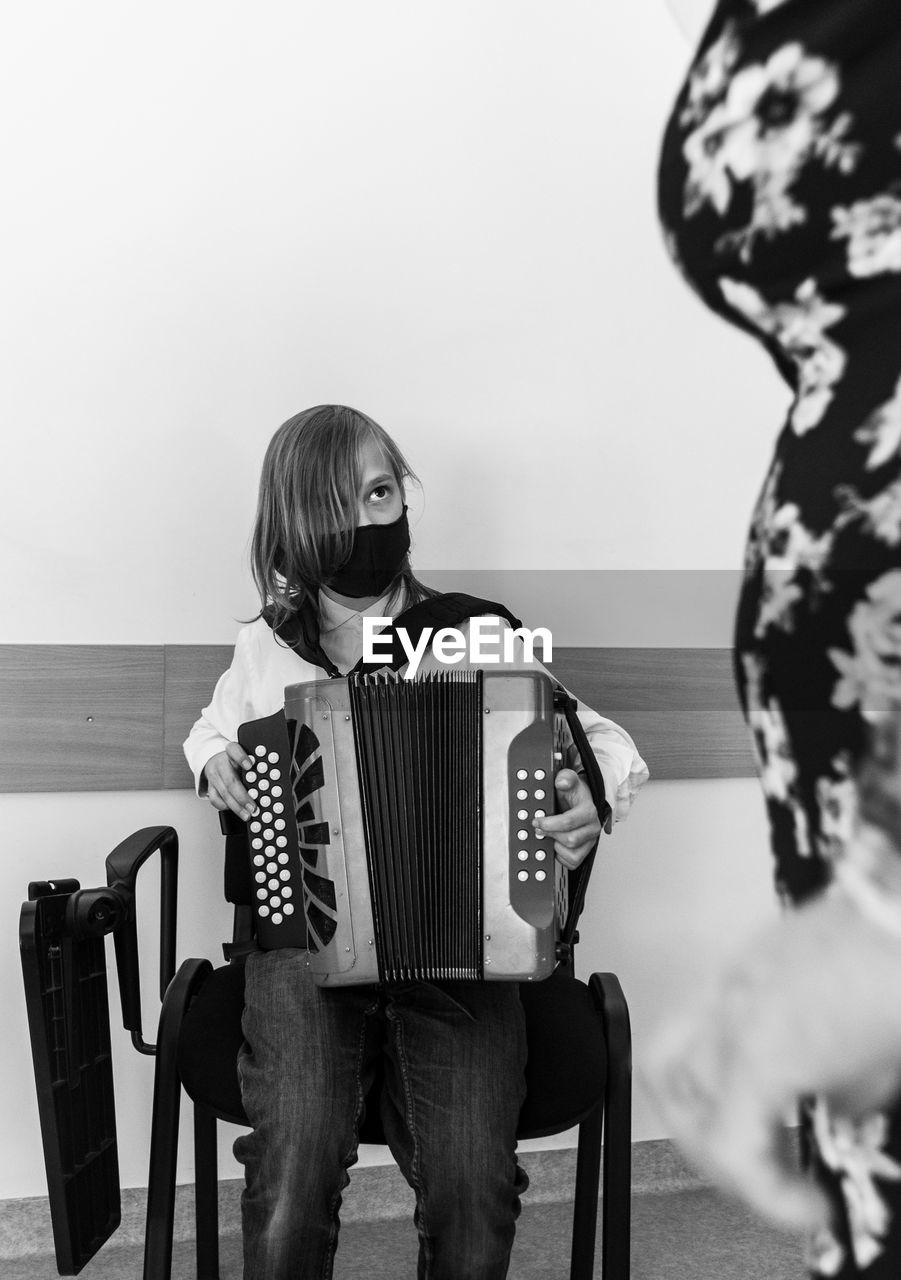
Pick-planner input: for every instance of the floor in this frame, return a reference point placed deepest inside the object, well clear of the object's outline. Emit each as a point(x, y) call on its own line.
point(677, 1235)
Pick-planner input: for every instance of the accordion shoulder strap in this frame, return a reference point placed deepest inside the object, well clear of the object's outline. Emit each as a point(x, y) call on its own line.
point(447, 610)
point(578, 879)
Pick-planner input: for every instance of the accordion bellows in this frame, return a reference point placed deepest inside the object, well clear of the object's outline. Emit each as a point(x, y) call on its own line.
point(410, 852)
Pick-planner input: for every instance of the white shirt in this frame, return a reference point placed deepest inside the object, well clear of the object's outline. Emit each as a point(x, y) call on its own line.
point(263, 666)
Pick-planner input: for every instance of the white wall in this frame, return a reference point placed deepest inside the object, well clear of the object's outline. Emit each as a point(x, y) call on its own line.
point(444, 214)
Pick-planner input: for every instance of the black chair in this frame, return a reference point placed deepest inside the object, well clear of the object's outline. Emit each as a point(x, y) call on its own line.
point(578, 1073)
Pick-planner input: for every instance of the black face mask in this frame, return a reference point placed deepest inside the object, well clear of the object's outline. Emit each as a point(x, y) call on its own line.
point(375, 559)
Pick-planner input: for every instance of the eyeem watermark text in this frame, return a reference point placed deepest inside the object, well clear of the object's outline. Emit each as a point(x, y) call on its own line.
point(485, 641)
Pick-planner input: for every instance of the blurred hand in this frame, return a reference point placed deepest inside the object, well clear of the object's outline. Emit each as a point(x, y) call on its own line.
point(810, 1006)
point(577, 828)
point(225, 781)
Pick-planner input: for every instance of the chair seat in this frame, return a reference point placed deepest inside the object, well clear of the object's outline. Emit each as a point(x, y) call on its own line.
point(565, 1072)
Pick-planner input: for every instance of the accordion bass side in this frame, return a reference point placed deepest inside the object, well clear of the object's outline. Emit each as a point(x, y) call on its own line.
point(395, 839)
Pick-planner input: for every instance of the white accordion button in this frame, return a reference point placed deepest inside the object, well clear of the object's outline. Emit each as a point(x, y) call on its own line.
point(276, 791)
point(539, 794)
point(283, 858)
point(523, 855)
point(522, 814)
point(275, 901)
point(271, 868)
point(281, 841)
point(273, 884)
point(287, 891)
point(522, 774)
point(263, 911)
point(276, 917)
point(540, 855)
point(260, 877)
point(538, 775)
point(250, 776)
point(255, 826)
point(273, 757)
point(261, 894)
point(540, 875)
point(539, 813)
point(259, 751)
point(522, 795)
point(278, 807)
point(258, 859)
point(262, 766)
point(522, 835)
point(279, 824)
point(522, 875)
point(256, 844)
point(284, 875)
point(263, 784)
point(288, 908)
point(275, 774)
point(264, 800)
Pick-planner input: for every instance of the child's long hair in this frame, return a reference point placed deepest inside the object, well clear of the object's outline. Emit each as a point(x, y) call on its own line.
point(308, 503)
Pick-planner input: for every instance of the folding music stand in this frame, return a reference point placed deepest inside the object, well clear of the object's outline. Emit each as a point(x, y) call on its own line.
point(61, 932)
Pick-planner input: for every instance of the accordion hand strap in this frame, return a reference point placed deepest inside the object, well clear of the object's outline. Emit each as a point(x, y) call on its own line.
point(578, 879)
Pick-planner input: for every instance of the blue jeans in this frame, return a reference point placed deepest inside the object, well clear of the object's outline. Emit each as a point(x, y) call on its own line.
point(454, 1060)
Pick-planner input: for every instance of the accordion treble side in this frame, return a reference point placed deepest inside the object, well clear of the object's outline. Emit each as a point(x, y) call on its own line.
point(395, 839)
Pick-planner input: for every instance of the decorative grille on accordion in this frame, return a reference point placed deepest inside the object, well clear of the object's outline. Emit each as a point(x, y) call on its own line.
point(413, 851)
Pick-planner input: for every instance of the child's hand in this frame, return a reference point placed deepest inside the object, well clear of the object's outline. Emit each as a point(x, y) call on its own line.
point(225, 781)
point(576, 830)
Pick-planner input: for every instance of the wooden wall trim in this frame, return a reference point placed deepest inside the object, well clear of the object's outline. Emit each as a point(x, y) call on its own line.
point(113, 717)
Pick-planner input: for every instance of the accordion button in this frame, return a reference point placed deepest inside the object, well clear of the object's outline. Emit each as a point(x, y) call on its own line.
point(540, 875)
point(255, 826)
point(539, 794)
point(538, 775)
point(261, 894)
point(285, 875)
point(260, 877)
point(522, 794)
point(287, 892)
point(281, 841)
point(275, 774)
point(273, 884)
point(522, 774)
point(259, 751)
point(539, 813)
point(278, 807)
point(273, 757)
point(276, 917)
point(258, 859)
point(250, 776)
point(522, 875)
point(271, 868)
point(263, 784)
point(279, 824)
point(522, 835)
point(264, 801)
point(276, 791)
point(540, 855)
point(262, 766)
point(257, 843)
point(288, 908)
point(263, 911)
point(523, 855)
point(522, 814)
point(275, 901)
point(283, 858)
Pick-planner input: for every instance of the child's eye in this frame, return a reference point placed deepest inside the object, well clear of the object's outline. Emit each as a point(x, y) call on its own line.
point(380, 492)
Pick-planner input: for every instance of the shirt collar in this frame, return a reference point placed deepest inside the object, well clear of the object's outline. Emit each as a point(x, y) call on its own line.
point(333, 615)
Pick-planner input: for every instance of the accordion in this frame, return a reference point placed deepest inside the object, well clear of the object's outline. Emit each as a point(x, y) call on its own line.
point(394, 839)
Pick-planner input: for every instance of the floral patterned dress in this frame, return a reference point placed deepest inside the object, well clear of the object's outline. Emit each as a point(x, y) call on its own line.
point(780, 197)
